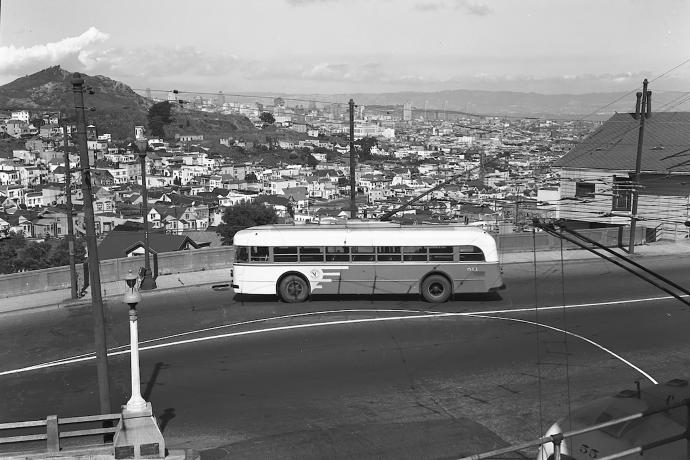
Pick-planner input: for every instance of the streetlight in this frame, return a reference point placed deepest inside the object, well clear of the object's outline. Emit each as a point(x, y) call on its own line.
point(147, 281)
point(132, 297)
point(139, 435)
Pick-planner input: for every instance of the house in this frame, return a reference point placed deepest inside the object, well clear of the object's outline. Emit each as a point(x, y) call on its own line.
point(120, 244)
point(598, 175)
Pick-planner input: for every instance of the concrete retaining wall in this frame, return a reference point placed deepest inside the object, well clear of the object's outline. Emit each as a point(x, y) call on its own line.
point(51, 279)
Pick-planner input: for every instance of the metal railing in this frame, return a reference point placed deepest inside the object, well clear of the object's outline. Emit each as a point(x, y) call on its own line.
point(558, 438)
point(53, 435)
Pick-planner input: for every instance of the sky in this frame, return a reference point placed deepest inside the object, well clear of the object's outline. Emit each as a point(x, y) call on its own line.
point(354, 46)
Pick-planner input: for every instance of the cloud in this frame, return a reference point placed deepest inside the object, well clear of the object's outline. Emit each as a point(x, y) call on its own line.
point(158, 62)
point(468, 6)
point(21, 60)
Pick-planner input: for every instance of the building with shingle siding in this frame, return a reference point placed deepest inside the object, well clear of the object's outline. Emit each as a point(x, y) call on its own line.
point(598, 175)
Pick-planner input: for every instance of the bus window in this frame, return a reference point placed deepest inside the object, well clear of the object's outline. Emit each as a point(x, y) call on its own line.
point(388, 253)
point(310, 254)
point(241, 254)
point(417, 253)
point(362, 253)
point(285, 254)
point(472, 253)
point(337, 254)
point(258, 254)
point(441, 253)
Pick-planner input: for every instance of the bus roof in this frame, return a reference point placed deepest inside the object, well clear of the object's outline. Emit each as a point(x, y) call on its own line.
point(368, 234)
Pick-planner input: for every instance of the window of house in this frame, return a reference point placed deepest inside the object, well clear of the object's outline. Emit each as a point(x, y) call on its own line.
point(584, 189)
point(622, 194)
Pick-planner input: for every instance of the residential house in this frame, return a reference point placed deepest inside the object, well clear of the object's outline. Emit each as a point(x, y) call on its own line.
point(120, 244)
point(14, 193)
point(598, 179)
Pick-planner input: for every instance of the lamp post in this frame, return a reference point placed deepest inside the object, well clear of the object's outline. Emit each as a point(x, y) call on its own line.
point(132, 297)
point(140, 436)
point(147, 281)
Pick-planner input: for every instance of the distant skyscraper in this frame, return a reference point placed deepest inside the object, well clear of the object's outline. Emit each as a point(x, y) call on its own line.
point(148, 93)
point(221, 98)
point(407, 111)
point(279, 102)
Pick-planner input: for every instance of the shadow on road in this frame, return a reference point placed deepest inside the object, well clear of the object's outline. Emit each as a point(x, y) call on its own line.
point(152, 381)
point(375, 298)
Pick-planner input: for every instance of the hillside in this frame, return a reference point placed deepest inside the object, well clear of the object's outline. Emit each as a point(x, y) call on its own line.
point(508, 103)
point(117, 107)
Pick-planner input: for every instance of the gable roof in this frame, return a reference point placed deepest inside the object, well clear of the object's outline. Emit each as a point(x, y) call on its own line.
point(666, 144)
point(116, 245)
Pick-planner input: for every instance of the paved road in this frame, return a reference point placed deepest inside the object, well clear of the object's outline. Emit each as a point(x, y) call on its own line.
point(403, 388)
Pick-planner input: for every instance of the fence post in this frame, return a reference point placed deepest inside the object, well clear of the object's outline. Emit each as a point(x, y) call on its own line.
point(53, 433)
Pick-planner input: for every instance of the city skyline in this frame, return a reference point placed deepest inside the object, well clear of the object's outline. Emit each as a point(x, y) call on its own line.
point(298, 46)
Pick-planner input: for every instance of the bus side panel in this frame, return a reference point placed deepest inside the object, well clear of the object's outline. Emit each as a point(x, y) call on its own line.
point(399, 278)
point(351, 278)
point(479, 277)
point(254, 279)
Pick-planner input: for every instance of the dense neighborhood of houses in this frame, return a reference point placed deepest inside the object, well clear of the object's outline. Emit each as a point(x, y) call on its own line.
point(510, 169)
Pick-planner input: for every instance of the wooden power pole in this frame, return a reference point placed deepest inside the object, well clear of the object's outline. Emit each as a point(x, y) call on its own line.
point(643, 109)
point(70, 221)
point(92, 247)
point(353, 182)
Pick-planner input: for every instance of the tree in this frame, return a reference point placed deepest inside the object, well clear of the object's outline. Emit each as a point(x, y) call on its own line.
point(251, 177)
point(366, 143)
point(244, 215)
point(311, 161)
point(158, 116)
point(267, 117)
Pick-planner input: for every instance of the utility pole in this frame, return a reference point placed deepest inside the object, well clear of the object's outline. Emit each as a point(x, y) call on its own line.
point(643, 109)
point(70, 221)
point(353, 185)
point(92, 247)
point(517, 207)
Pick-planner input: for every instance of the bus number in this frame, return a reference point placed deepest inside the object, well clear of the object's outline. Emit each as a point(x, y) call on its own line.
point(589, 451)
point(472, 269)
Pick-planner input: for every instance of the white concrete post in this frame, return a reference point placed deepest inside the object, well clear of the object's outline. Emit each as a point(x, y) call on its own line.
point(136, 402)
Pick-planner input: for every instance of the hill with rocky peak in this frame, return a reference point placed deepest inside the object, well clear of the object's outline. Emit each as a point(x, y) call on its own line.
point(112, 106)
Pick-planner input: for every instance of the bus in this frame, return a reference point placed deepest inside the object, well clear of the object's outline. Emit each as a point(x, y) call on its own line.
point(296, 261)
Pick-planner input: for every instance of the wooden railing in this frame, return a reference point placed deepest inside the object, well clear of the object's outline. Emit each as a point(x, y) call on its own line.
point(53, 434)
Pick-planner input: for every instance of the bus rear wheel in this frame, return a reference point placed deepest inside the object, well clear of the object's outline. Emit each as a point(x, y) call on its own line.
point(293, 289)
point(436, 289)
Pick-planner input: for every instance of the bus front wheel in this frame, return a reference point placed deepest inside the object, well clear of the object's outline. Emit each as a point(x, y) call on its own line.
point(293, 289)
point(436, 289)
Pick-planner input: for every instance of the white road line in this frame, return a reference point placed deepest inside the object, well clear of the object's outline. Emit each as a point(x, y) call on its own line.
point(592, 342)
point(426, 314)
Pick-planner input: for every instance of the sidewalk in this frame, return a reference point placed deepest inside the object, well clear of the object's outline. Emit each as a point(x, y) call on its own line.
point(61, 298)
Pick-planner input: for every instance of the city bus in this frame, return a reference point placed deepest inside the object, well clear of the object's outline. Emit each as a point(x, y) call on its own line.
point(296, 261)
